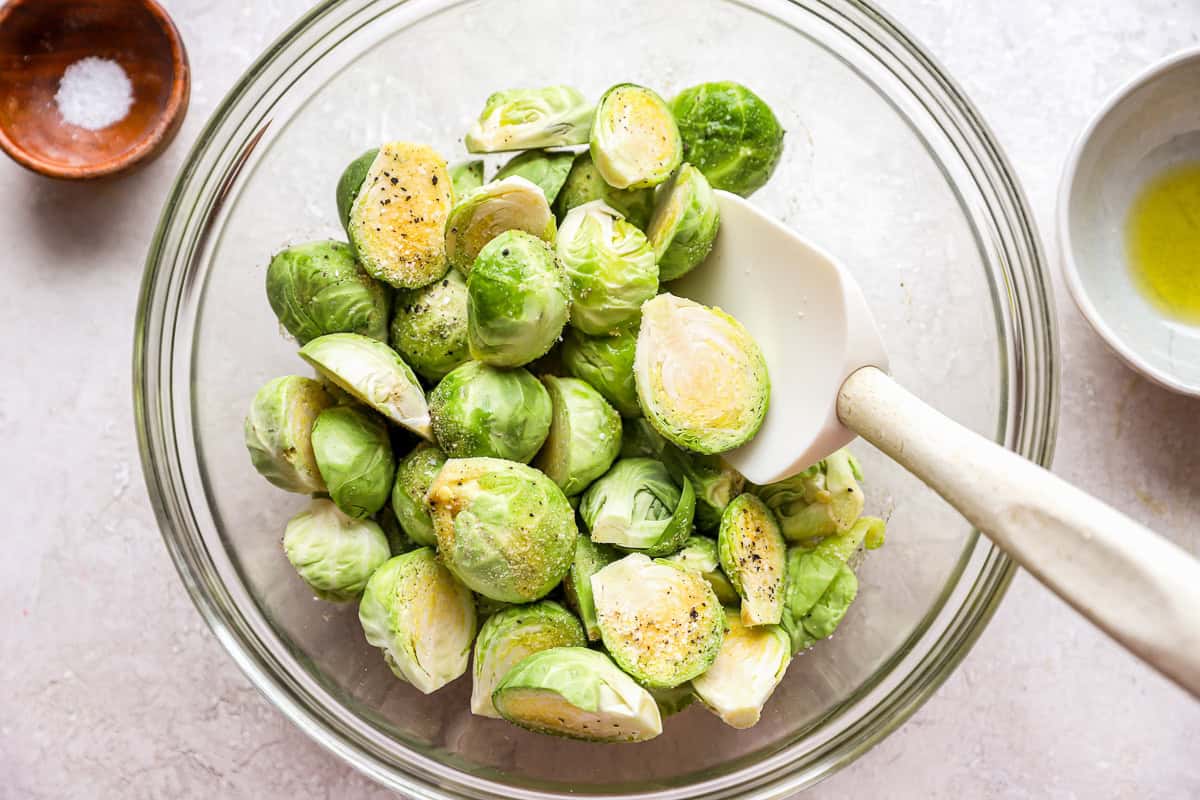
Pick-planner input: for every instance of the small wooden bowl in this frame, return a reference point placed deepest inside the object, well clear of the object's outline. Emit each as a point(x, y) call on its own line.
point(39, 39)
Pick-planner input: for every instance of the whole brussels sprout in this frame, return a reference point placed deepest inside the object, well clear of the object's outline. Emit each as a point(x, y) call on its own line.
point(606, 362)
point(278, 432)
point(639, 505)
point(685, 223)
point(334, 554)
point(699, 555)
point(701, 379)
point(484, 213)
point(730, 134)
point(754, 556)
point(635, 142)
point(578, 693)
point(584, 184)
point(511, 635)
point(354, 454)
point(414, 476)
point(661, 624)
point(517, 300)
point(479, 410)
point(318, 288)
point(589, 559)
point(466, 176)
point(398, 216)
point(350, 183)
point(523, 119)
point(715, 481)
point(429, 328)
point(611, 267)
point(548, 170)
point(503, 528)
point(751, 663)
point(421, 617)
point(585, 435)
point(823, 500)
point(373, 374)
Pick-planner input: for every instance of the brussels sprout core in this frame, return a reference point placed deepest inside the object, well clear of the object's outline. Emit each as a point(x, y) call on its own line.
point(278, 432)
point(750, 665)
point(429, 328)
point(730, 134)
point(639, 505)
point(585, 435)
point(318, 288)
point(685, 224)
point(354, 454)
point(479, 410)
point(635, 142)
point(754, 555)
point(334, 554)
point(484, 213)
point(524, 119)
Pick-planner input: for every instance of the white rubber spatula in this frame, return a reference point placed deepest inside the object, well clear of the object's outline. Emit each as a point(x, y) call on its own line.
point(829, 383)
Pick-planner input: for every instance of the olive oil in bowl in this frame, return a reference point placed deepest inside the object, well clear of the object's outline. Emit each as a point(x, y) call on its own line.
point(1163, 242)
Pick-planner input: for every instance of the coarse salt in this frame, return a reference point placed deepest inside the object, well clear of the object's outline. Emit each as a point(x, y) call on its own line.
point(94, 93)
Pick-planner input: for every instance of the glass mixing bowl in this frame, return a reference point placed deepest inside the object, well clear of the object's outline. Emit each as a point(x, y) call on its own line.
point(886, 165)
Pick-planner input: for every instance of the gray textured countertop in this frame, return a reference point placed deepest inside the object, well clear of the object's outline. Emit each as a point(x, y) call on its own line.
point(114, 687)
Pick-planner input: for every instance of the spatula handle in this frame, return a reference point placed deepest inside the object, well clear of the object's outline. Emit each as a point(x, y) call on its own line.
point(1133, 584)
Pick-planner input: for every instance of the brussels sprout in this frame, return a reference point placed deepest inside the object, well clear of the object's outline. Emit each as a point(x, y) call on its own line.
point(484, 213)
point(523, 119)
point(661, 624)
point(635, 142)
point(466, 176)
point(699, 555)
point(589, 559)
point(701, 380)
point(640, 440)
point(421, 617)
point(517, 300)
point(278, 432)
point(823, 500)
point(414, 475)
point(585, 435)
point(480, 410)
point(317, 288)
point(429, 329)
point(611, 267)
point(398, 217)
point(485, 607)
point(334, 554)
point(584, 185)
point(350, 183)
point(750, 665)
point(399, 542)
point(715, 481)
point(354, 455)
point(578, 693)
point(639, 505)
point(546, 169)
point(374, 374)
point(606, 362)
point(685, 223)
point(511, 635)
point(754, 556)
point(730, 134)
point(503, 528)
point(672, 701)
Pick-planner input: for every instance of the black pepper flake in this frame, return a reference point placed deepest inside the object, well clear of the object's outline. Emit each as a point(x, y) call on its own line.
point(395, 181)
point(504, 252)
point(435, 180)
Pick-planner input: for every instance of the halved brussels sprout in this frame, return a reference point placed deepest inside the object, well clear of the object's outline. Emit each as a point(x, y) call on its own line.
point(372, 373)
point(398, 217)
point(823, 500)
point(611, 267)
point(635, 142)
point(606, 362)
point(466, 176)
point(517, 300)
point(509, 636)
point(429, 328)
point(545, 168)
point(484, 213)
point(639, 505)
point(685, 223)
point(278, 432)
point(672, 701)
point(334, 554)
point(505, 529)
point(480, 410)
point(584, 185)
point(661, 624)
point(414, 476)
point(699, 555)
point(730, 134)
point(523, 119)
point(585, 435)
point(318, 288)
point(421, 617)
point(754, 556)
point(750, 665)
point(578, 693)
point(354, 454)
point(589, 559)
point(350, 183)
point(701, 379)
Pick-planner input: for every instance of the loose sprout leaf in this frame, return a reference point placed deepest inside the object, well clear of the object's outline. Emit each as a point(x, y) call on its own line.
point(278, 432)
point(635, 142)
point(523, 119)
point(429, 327)
point(751, 663)
point(754, 556)
point(480, 410)
point(730, 134)
point(318, 288)
point(823, 500)
point(335, 554)
point(482, 214)
point(547, 169)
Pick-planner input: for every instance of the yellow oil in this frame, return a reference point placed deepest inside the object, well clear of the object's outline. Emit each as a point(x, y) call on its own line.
point(1163, 237)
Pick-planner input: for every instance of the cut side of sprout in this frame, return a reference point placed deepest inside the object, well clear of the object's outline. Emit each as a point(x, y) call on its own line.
point(635, 142)
point(754, 556)
point(525, 119)
point(750, 665)
point(685, 224)
point(481, 215)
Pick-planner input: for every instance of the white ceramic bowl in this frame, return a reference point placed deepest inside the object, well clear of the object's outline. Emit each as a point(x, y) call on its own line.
point(1149, 125)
